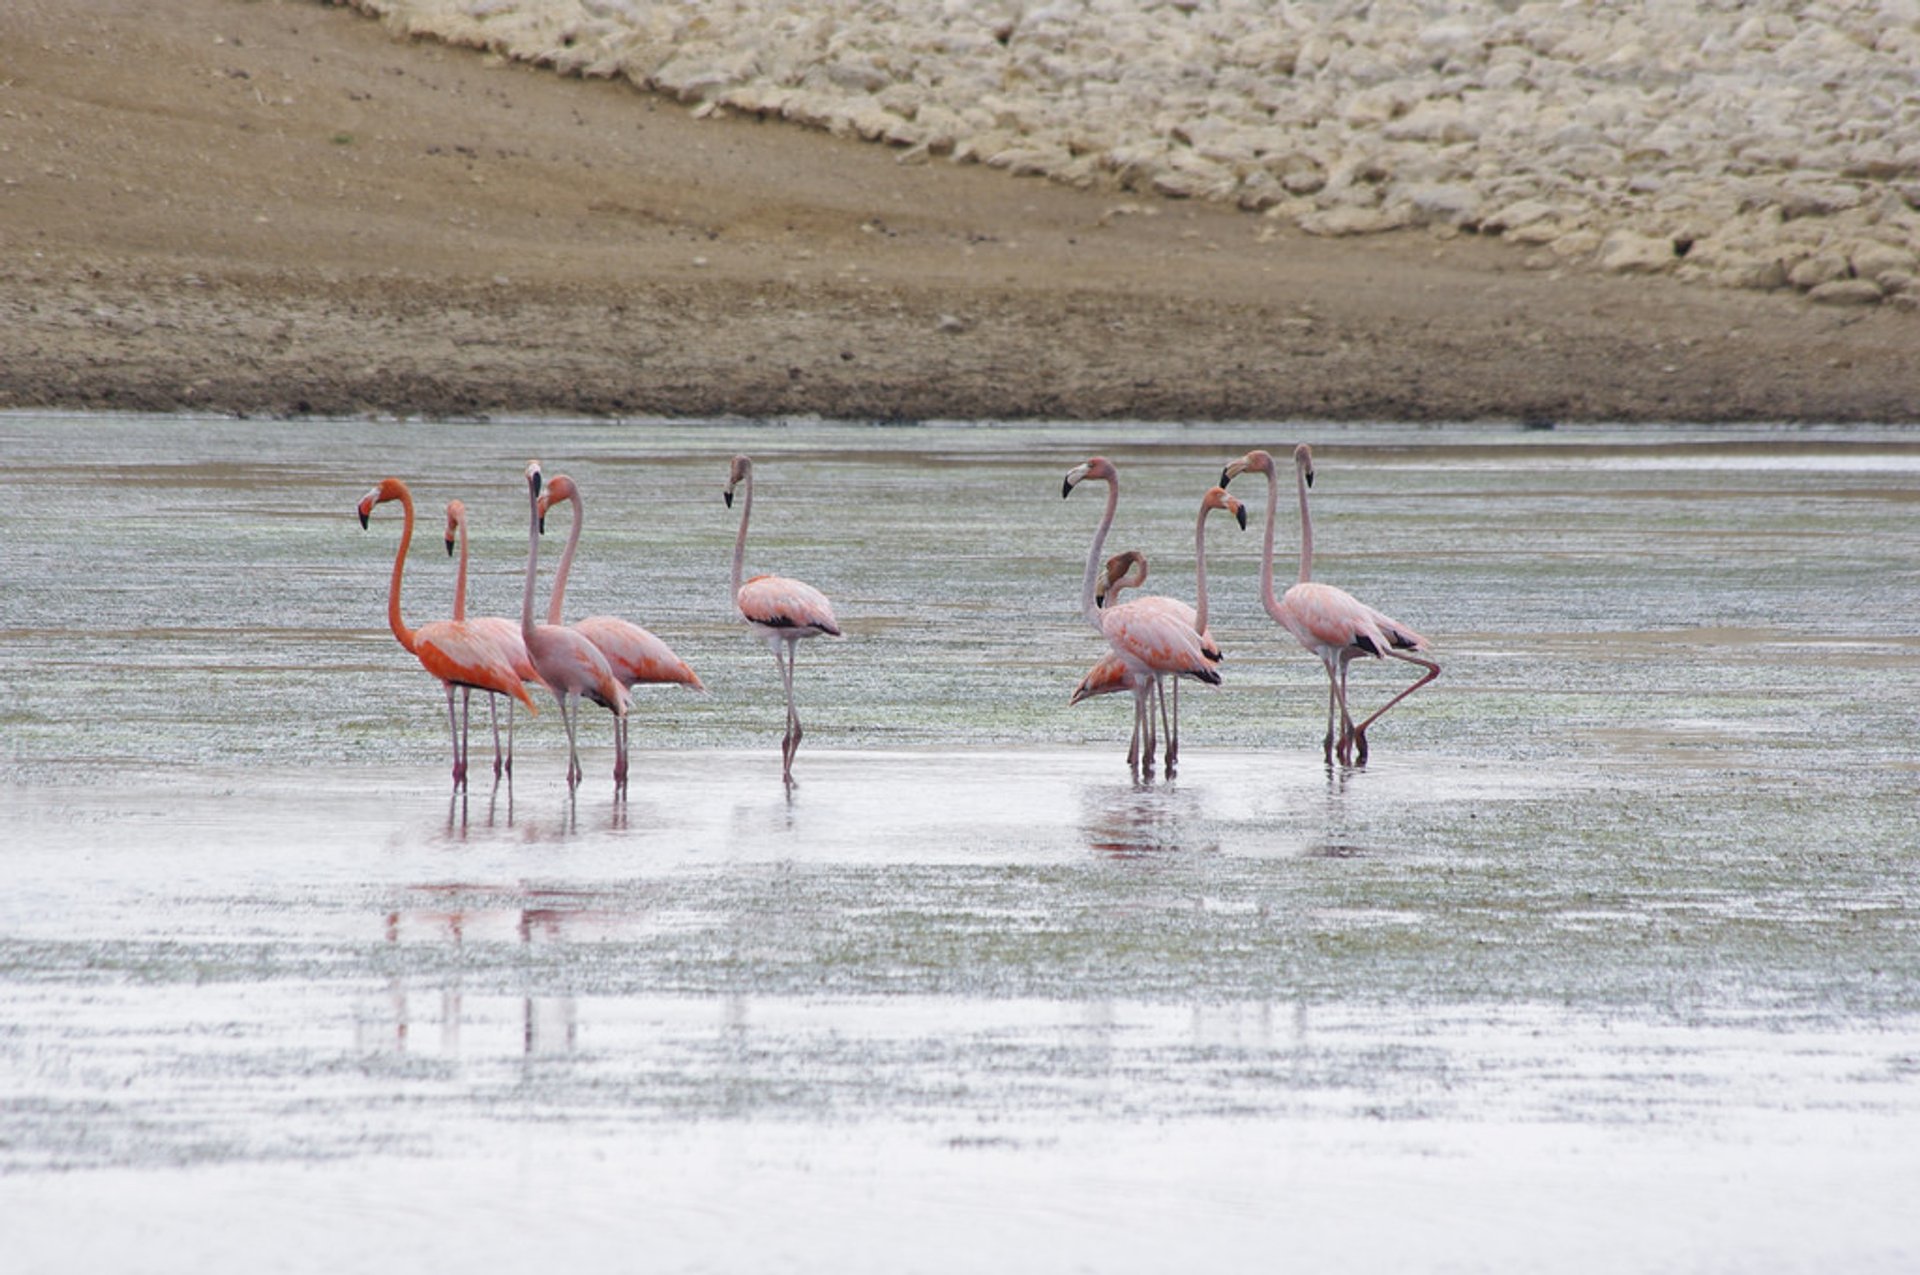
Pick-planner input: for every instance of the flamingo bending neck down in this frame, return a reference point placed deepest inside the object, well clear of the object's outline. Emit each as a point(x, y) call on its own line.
point(571, 666)
point(452, 650)
point(1329, 622)
point(1151, 636)
point(781, 610)
point(634, 654)
point(504, 632)
point(1110, 675)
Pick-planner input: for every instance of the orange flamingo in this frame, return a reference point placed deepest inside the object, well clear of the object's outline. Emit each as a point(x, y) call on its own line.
point(780, 610)
point(453, 651)
point(1152, 638)
point(571, 666)
point(633, 654)
point(1329, 622)
point(504, 632)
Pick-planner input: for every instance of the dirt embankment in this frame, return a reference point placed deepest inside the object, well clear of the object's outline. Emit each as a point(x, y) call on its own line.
point(276, 207)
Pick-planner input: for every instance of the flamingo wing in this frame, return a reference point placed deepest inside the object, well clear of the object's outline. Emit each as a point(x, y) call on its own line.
point(1326, 618)
point(456, 652)
point(569, 664)
point(776, 602)
point(506, 635)
point(1152, 635)
point(1110, 676)
point(636, 655)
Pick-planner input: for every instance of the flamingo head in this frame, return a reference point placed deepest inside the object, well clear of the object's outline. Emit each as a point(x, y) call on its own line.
point(1123, 571)
point(558, 488)
point(1303, 461)
point(741, 471)
point(456, 519)
point(1254, 462)
point(387, 489)
point(1217, 498)
point(1098, 468)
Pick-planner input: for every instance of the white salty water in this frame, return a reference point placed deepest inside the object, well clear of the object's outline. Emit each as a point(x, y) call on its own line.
point(1608, 960)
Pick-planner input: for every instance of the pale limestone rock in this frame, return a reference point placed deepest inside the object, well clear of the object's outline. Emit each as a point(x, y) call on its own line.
point(1846, 292)
point(1628, 252)
point(1817, 269)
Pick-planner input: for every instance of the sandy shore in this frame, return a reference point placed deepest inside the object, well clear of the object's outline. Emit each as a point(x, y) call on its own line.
point(276, 207)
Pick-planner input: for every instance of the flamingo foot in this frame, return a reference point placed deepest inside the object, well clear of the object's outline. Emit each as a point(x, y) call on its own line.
point(1360, 747)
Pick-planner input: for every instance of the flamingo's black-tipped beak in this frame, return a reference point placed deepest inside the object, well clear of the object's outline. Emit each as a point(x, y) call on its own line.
point(1066, 489)
point(1226, 476)
point(533, 482)
point(1240, 515)
point(449, 546)
point(1309, 478)
point(727, 496)
point(543, 524)
point(363, 520)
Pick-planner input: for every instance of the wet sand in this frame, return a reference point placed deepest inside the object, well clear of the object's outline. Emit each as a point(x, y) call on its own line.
point(276, 208)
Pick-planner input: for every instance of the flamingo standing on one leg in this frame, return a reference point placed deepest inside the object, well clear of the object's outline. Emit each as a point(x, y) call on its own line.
point(1153, 638)
point(780, 610)
point(571, 666)
point(504, 632)
point(633, 654)
point(455, 652)
point(1329, 622)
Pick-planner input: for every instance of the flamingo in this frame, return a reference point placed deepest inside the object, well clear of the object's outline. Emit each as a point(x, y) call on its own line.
point(1150, 637)
point(504, 632)
point(633, 654)
point(571, 666)
point(1329, 622)
point(453, 651)
point(780, 610)
point(1111, 675)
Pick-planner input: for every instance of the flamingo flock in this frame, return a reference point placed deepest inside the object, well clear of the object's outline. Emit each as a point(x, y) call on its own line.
point(1152, 641)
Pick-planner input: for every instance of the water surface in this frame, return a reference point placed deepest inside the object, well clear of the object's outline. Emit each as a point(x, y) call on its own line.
point(1607, 959)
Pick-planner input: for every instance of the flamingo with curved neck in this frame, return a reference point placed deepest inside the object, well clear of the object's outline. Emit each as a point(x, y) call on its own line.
point(781, 610)
point(504, 632)
point(452, 650)
point(1329, 622)
point(571, 666)
point(635, 655)
point(1153, 636)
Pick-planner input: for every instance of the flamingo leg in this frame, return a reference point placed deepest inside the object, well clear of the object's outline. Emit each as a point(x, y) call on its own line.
point(1345, 749)
point(573, 751)
point(1160, 690)
point(453, 733)
point(790, 741)
point(1360, 731)
point(1333, 700)
point(620, 750)
point(509, 762)
point(1173, 731)
point(493, 719)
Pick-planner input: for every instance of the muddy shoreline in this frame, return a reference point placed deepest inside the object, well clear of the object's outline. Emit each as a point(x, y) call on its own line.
point(278, 208)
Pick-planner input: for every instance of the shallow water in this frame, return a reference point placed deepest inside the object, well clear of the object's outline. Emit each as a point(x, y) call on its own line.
point(1607, 959)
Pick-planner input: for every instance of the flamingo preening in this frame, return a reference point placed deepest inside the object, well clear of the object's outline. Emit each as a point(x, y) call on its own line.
point(1150, 635)
point(1329, 622)
point(780, 610)
point(570, 665)
point(504, 632)
point(454, 651)
point(634, 654)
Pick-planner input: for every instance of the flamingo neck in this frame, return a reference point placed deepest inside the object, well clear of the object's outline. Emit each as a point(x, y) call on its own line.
point(740, 540)
point(1306, 527)
point(1266, 557)
point(566, 560)
point(1200, 572)
point(533, 564)
point(460, 578)
point(1089, 608)
point(401, 632)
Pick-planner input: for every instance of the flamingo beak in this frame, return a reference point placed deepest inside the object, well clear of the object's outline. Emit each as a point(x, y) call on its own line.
point(1232, 469)
point(1074, 476)
point(1240, 515)
point(1309, 478)
point(449, 546)
point(727, 497)
point(363, 519)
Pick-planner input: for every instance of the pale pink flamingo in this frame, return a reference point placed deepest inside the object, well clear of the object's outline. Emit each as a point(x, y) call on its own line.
point(455, 652)
point(633, 654)
point(504, 632)
point(571, 666)
point(1152, 638)
point(780, 610)
point(1329, 622)
point(1111, 675)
